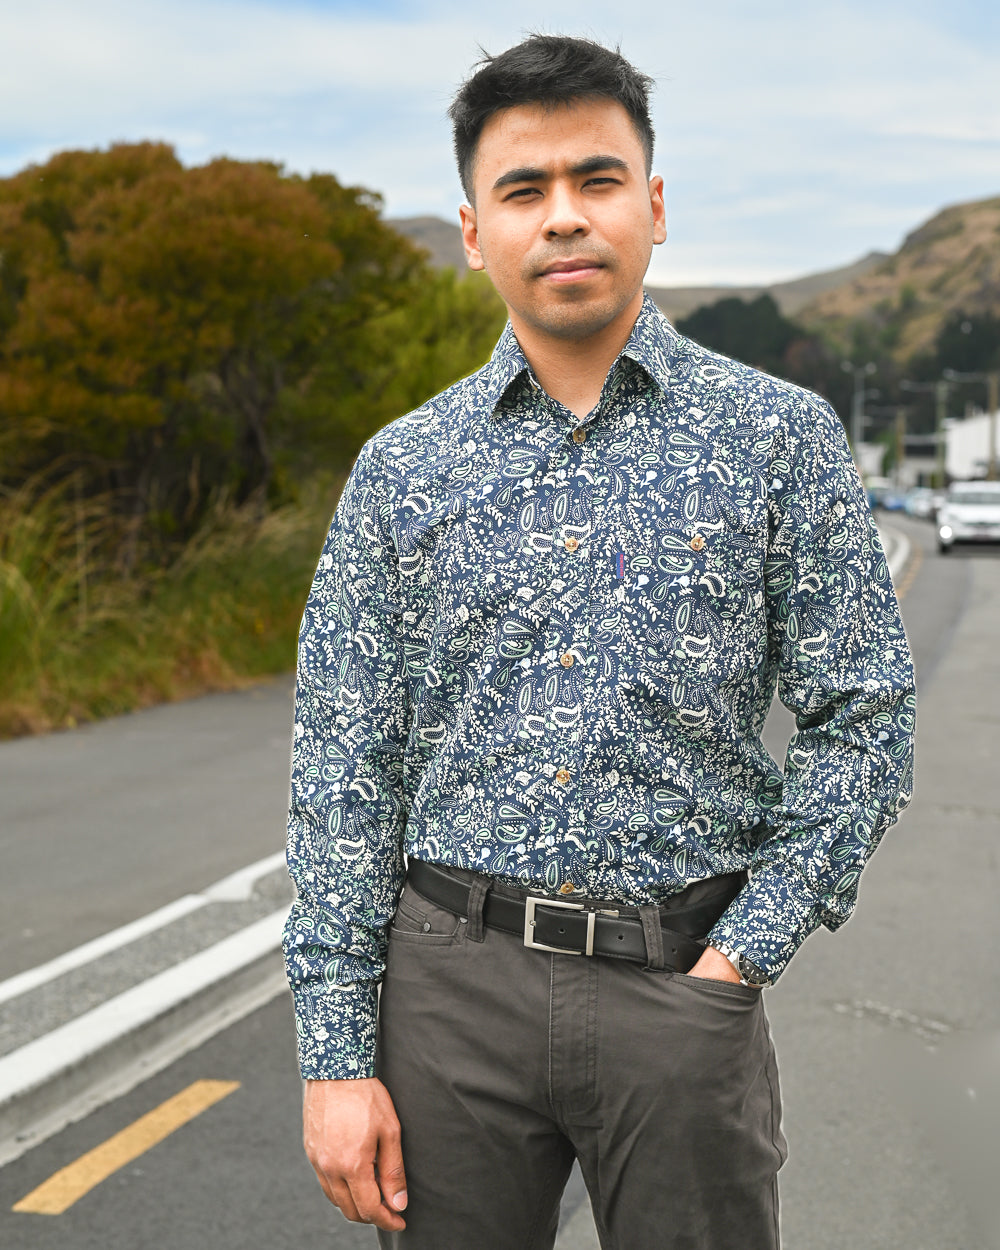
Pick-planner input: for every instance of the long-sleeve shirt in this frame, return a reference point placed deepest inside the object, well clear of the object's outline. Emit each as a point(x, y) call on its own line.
point(543, 648)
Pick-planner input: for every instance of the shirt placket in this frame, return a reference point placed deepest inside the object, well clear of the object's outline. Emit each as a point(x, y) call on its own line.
point(568, 649)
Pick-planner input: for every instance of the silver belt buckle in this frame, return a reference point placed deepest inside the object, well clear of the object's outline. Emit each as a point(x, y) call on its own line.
point(531, 902)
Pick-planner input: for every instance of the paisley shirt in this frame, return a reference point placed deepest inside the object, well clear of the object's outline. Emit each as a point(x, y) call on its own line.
point(544, 648)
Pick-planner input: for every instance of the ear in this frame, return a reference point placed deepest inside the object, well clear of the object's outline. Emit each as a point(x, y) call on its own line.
point(659, 211)
point(470, 237)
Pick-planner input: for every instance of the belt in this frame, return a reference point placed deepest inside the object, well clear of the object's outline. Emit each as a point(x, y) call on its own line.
point(550, 924)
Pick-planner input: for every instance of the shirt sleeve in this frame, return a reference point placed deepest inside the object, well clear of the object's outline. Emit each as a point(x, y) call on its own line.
point(348, 804)
point(844, 669)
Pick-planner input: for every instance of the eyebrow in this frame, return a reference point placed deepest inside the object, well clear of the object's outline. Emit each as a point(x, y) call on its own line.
point(530, 173)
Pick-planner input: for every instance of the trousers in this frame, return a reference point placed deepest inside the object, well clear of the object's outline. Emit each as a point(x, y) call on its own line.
point(505, 1064)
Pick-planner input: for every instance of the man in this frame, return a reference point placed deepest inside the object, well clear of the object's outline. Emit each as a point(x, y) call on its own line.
point(536, 660)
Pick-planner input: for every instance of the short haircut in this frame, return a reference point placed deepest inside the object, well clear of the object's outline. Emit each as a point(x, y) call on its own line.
point(549, 70)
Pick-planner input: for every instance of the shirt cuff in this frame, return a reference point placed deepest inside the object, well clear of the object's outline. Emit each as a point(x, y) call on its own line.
point(768, 920)
point(336, 1032)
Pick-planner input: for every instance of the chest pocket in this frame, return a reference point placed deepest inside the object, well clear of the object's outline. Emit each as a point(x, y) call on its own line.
point(702, 604)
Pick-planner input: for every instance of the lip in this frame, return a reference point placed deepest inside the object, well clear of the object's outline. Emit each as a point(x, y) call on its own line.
point(571, 270)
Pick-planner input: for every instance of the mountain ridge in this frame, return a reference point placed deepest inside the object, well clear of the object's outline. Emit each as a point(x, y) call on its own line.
point(894, 303)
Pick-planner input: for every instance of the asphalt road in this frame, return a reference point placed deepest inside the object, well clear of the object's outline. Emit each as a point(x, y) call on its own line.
point(888, 1033)
point(103, 824)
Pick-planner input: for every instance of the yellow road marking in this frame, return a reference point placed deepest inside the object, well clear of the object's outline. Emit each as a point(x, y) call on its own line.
point(911, 571)
point(70, 1183)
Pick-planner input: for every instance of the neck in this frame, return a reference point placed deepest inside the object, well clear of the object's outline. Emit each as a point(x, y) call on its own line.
point(573, 371)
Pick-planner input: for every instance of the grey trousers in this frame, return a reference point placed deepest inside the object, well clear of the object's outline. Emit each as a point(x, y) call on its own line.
point(506, 1063)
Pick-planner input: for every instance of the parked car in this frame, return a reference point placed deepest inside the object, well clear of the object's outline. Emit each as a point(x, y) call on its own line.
point(883, 494)
point(970, 514)
point(919, 502)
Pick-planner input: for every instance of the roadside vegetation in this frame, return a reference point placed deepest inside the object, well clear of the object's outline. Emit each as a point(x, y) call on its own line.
point(190, 360)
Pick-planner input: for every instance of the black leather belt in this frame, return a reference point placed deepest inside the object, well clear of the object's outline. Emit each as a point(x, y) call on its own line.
point(578, 929)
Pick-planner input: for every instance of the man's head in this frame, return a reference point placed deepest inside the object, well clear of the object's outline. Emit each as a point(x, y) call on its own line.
point(547, 70)
point(554, 142)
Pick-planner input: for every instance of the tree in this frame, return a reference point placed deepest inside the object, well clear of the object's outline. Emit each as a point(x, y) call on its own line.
point(171, 333)
point(756, 332)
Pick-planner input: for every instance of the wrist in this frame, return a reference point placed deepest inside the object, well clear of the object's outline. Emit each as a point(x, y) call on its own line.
point(747, 972)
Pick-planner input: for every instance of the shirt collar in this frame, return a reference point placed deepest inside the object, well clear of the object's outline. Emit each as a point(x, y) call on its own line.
point(651, 345)
point(505, 366)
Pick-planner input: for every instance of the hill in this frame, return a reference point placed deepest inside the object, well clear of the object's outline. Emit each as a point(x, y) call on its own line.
point(884, 304)
point(439, 238)
point(791, 296)
point(443, 242)
point(948, 266)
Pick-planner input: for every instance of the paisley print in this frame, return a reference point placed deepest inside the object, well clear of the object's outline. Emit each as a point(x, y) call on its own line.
point(544, 649)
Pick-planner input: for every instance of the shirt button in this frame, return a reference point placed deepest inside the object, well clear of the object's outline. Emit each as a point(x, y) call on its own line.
point(579, 436)
point(697, 542)
point(566, 659)
point(567, 887)
point(562, 776)
point(571, 543)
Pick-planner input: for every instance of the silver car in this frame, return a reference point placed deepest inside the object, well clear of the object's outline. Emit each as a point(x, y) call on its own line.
point(970, 514)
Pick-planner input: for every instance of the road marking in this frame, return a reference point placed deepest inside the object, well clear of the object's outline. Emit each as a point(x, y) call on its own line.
point(237, 887)
point(912, 569)
point(68, 1185)
point(151, 1003)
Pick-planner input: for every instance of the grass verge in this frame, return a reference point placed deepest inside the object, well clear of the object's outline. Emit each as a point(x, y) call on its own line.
point(79, 641)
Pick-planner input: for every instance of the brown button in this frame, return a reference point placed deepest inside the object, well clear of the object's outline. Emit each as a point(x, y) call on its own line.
point(697, 542)
point(579, 436)
point(572, 543)
point(562, 776)
point(567, 887)
point(566, 659)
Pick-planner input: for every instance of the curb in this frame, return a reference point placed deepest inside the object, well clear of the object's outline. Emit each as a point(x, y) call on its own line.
point(897, 548)
point(62, 1076)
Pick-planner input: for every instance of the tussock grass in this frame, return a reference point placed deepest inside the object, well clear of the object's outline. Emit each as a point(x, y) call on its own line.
point(80, 639)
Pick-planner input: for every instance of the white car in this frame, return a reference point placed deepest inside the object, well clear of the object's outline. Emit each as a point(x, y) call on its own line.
point(970, 514)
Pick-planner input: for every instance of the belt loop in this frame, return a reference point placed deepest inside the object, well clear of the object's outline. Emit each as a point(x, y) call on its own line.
point(477, 899)
point(650, 917)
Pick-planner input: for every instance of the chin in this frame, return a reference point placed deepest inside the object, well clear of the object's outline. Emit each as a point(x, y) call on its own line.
point(578, 320)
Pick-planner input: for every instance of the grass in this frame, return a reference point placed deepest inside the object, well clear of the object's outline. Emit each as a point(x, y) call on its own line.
point(80, 640)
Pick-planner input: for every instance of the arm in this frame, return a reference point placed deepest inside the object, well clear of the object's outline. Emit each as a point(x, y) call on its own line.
point(346, 816)
point(844, 669)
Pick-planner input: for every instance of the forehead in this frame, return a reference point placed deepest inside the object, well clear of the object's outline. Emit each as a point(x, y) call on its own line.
point(548, 136)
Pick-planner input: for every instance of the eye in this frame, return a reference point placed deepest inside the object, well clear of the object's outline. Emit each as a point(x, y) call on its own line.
point(522, 193)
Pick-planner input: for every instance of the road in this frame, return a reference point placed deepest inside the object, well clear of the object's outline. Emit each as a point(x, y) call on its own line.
point(102, 825)
point(888, 1033)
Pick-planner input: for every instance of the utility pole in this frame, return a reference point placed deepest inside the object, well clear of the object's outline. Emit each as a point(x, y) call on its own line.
point(940, 390)
point(940, 413)
point(992, 379)
point(860, 372)
point(900, 432)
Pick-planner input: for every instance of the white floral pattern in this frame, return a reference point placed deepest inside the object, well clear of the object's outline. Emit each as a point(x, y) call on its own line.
point(549, 658)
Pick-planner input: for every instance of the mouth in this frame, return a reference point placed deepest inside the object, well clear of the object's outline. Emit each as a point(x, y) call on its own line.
point(575, 269)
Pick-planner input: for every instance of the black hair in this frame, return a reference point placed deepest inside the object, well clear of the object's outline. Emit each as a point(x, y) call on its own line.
point(548, 70)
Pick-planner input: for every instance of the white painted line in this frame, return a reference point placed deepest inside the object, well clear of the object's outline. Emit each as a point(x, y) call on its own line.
point(899, 550)
point(237, 887)
point(42, 1060)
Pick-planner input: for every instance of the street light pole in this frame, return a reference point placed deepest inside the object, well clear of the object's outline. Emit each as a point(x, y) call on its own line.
point(992, 379)
point(860, 372)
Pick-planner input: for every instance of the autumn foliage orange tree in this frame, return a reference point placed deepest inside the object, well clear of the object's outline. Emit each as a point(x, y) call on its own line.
point(169, 331)
point(174, 342)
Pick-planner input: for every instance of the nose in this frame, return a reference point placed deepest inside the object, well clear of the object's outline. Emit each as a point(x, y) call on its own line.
point(565, 215)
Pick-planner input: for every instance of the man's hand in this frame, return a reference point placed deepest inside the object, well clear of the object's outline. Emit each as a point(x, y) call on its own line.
point(352, 1139)
point(714, 966)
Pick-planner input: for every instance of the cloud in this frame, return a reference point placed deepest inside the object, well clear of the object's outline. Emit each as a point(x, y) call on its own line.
point(792, 137)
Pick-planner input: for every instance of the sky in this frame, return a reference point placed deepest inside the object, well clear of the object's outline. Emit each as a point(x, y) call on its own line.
point(792, 137)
